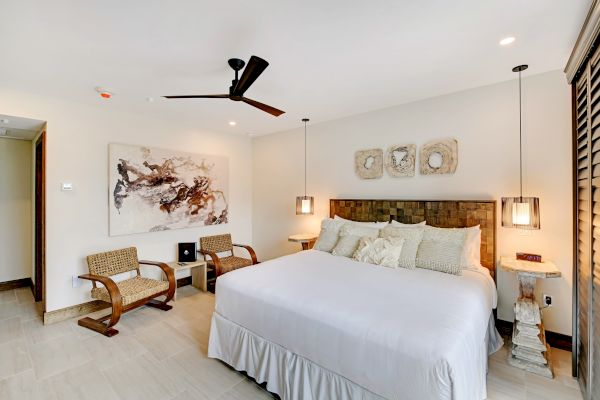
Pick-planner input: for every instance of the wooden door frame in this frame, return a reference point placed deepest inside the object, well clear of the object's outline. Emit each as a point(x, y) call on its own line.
point(39, 288)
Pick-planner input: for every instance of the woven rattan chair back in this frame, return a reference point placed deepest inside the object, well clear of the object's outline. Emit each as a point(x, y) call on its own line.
point(217, 243)
point(113, 262)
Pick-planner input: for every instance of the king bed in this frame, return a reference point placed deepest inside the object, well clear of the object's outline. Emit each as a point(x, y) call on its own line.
point(313, 325)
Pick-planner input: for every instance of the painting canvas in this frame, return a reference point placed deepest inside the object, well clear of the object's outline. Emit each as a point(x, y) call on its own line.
point(155, 189)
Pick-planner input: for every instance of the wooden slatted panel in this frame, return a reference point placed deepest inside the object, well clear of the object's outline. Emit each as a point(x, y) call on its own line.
point(594, 302)
point(582, 138)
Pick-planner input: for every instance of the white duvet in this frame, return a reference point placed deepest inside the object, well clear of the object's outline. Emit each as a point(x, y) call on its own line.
point(401, 334)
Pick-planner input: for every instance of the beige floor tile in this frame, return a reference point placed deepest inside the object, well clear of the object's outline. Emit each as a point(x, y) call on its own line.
point(162, 341)
point(9, 310)
point(36, 332)
point(14, 358)
point(58, 355)
point(10, 329)
point(246, 390)
point(142, 378)
point(208, 377)
point(113, 351)
point(197, 329)
point(7, 296)
point(24, 295)
point(539, 387)
point(82, 383)
point(24, 386)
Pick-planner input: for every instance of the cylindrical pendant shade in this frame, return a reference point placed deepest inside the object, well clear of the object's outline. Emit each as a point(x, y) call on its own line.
point(305, 205)
point(521, 212)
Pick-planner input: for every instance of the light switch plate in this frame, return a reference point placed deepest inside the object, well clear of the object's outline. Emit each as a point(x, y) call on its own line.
point(76, 281)
point(66, 186)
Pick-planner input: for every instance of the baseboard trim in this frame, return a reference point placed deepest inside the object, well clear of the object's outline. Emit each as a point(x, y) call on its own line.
point(17, 283)
point(78, 310)
point(556, 340)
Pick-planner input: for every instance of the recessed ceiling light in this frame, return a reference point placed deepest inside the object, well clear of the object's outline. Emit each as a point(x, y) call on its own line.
point(104, 93)
point(507, 40)
point(232, 123)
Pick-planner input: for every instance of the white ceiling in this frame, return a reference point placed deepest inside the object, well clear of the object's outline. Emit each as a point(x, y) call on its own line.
point(19, 128)
point(328, 59)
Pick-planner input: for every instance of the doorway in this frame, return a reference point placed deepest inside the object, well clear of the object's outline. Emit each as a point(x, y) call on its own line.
point(40, 220)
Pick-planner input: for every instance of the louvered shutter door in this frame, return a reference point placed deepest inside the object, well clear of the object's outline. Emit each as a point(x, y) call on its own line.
point(594, 312)
point(583, 225)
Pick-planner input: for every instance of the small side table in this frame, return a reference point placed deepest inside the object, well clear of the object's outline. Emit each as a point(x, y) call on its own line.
point(198, 271)
point(529, 349)
point(307, 239)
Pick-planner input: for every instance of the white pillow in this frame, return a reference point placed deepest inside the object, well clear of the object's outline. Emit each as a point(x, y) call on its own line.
point(441, 249)
point(379, 251)
point(471, 255)
point(396, 223)
point(350, 235)
point(412, 238)
point(376, 224)
point(329, 235)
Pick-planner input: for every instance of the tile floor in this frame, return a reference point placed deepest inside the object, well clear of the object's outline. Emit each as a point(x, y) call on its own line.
point(162, 355)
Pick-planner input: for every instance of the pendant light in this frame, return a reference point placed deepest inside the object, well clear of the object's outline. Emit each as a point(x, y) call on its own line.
point(305, 205)
point(521, 212)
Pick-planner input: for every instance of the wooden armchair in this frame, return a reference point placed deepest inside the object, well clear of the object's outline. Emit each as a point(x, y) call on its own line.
point(127, 294)
point(212, 245)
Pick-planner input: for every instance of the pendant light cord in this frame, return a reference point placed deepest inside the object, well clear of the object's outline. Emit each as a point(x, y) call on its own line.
point(305, 159)
point(520, 141)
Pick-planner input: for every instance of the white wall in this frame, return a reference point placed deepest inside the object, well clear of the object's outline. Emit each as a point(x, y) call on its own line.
point(485, 122)
point(15, 209)
point(77, 151)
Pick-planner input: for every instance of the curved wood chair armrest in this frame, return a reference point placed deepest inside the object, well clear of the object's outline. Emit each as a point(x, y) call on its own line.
point(169, 272)
point(250, 250)
point(215, 260)
point(113, 292)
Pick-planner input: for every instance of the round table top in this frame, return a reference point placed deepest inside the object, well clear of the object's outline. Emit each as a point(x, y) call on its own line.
point(544, 269)
point(303, 237)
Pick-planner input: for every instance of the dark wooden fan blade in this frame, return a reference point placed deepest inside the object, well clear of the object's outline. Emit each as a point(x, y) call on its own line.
point(264, 107)
point(255, 67)
point(205, 96)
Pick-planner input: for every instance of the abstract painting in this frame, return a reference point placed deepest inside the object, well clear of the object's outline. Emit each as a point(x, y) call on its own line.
point(439, 157)
point(155, 189)
point(400, 160)
point(368, 164)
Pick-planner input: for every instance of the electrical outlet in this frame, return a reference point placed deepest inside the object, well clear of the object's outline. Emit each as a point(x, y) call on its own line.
point(547, 300)
point(76, 281)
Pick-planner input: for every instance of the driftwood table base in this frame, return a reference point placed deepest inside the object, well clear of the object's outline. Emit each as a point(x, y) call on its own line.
point(530, 351)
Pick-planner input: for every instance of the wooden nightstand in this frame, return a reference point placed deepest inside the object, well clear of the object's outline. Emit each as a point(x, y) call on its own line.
point(198, 271)
point(529, 350)
point(307, 240)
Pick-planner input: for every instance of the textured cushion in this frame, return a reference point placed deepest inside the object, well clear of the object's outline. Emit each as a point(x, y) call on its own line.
point(471, 255)
point(441, 249)
point(400, 224)
point(132, 289)
point(370, 224)
point(412, 238)
point(230, 263)
point(380, 251)
point(350, 235)
point(329, 235)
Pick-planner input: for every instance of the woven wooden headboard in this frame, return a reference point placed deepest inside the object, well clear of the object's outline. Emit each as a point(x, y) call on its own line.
point(441, 213)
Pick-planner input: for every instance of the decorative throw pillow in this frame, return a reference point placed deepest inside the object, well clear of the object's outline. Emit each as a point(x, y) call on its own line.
point(329, 235)
point(441, 249)
point(471, 255)
point(412, 237)
point(380, 251)
point(350, 235)
point(371, 224)
point(400, 224)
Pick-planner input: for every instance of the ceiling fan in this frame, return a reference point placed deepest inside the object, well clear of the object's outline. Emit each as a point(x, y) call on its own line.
point(255, 67)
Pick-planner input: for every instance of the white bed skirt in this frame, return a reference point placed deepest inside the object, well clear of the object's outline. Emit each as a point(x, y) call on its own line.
point(293, 377)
